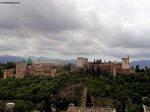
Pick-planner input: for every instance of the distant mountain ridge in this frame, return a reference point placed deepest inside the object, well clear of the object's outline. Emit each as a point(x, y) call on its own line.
point(7, 58)
point(43, 59)
point(141, 63)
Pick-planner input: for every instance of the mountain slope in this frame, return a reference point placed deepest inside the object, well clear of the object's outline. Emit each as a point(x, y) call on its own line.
point(141, 63)
point(7, 58)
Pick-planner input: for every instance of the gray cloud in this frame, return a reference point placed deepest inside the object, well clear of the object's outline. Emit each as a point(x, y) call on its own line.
point(70, 27)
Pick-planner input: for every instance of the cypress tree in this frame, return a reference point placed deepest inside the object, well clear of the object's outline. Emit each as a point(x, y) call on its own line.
point(88, 100)
point(47, 105)
point(123, 107)
point(94, 61)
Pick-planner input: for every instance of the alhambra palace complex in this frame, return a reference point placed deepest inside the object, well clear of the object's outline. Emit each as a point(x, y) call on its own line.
point(113, 68)
point(51, 68)
point(33, 68)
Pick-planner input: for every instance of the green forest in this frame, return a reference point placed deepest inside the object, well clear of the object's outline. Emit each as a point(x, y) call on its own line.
point(35, 93)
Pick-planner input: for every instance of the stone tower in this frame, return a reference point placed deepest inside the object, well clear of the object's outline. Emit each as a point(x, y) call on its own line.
point(125, 63)
point(113, 71)
point(81, 61)
point(21, 68)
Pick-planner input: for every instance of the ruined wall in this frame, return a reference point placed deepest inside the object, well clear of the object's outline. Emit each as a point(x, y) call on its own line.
point(8, 73)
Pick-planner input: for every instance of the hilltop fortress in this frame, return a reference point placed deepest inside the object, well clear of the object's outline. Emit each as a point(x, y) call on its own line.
point(113, 68)
point(33, 68)
point(51, 68)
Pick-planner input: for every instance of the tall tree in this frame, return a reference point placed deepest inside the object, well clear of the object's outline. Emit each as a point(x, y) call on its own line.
point(123, 107)
point(94, 61)
point(47, 105)
point(99, 61)
point(88, 100)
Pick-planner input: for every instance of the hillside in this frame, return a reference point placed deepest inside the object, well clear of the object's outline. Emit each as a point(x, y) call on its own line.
point(68, 88)
point(6, 58)
point(141, 63)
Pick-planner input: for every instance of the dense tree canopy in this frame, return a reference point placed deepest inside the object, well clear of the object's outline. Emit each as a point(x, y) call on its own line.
point(128, 89)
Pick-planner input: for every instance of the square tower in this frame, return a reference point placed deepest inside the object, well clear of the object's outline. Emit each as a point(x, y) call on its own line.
point(125, 63)
point(21, 68)
point(81, 61)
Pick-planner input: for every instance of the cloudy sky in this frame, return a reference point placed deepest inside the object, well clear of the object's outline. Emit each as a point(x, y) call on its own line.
point(106, 29)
